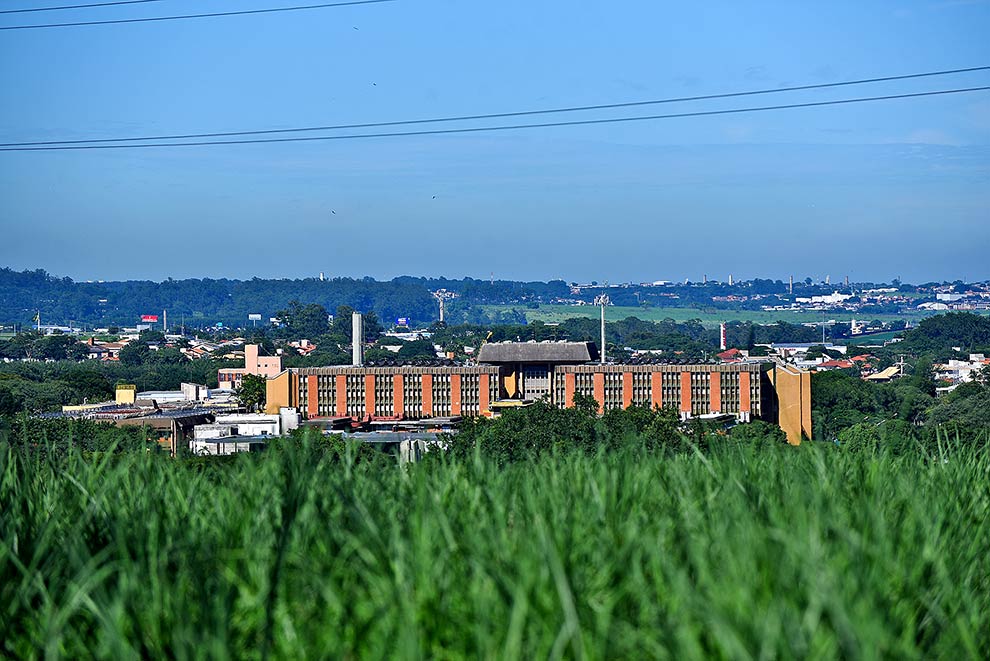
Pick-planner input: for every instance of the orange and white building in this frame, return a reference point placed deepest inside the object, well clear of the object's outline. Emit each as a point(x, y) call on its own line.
point(514, 373)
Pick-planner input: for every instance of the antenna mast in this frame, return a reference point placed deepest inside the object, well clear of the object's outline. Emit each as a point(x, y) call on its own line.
point(441, 295)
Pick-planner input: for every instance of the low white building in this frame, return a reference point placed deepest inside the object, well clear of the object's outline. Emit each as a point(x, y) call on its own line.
point(830, 299)
point(961, 371)
point(251, 424)
point(226, 445)
point(234, 425)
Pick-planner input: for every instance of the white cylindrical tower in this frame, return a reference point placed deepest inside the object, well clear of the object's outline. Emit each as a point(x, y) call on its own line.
point(357, 339)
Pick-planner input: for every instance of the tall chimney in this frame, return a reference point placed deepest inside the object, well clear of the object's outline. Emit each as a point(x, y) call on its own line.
point(722, 337)
point(357, 340)
point(602, 354)
point(790, 286)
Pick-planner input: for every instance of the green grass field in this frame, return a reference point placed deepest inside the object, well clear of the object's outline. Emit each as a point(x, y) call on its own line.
point(875, 338)
point(708, 316)
point(741, 553)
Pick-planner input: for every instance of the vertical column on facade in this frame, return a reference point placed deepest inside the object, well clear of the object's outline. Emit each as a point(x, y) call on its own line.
point(341, 395)
point(369, 394)
point(428, 395)
point(656, 389)
point(685, 392)
point(627, 389)
point(312, 396)
point(398, 401)
point(598, 382)
point(716, 394)
point(744, 385)
point(570, 380)
point(455, 394)
point(484, 383)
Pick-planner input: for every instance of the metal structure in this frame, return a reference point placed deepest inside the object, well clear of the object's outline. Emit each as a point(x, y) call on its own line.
point(442, 295)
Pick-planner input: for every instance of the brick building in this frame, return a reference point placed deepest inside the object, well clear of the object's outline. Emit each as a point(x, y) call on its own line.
point(513, 373)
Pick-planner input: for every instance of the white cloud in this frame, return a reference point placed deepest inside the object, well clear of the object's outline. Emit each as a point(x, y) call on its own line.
point(930, 137)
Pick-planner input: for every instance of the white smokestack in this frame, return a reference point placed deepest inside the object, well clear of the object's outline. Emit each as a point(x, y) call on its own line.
point(357, 340)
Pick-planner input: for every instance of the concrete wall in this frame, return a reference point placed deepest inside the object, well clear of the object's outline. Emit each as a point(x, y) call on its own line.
point(280, 391)
point(792, 388)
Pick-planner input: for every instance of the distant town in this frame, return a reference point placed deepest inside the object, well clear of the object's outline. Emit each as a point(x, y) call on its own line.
point(427, 369)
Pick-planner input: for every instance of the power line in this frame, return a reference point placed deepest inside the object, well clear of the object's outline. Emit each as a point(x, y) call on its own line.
point(509, 127)
point(94, 4)
point(187, 16)
point(501, 115)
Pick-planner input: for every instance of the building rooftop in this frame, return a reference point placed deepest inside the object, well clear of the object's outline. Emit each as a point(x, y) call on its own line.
point(538, 352)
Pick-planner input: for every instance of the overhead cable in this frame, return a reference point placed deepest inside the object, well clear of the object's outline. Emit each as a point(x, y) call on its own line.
point(88, 6)
point(510, 127)
point(242, 12)
point(500, 115)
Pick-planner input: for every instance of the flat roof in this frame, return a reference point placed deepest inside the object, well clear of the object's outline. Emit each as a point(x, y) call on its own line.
point(538, 352)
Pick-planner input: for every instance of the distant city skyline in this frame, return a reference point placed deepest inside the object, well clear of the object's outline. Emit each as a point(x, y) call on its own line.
point(873, 190)
point(835, 280)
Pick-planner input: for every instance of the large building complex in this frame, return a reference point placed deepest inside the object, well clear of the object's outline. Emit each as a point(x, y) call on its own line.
point(514, 373)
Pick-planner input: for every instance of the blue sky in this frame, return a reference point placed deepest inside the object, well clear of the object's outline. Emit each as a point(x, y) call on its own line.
point(873, 191)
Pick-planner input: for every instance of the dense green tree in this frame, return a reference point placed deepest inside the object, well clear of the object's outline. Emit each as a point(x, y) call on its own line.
point(758, 432)
point(90, 384)
point(134, 353)
point(417, 349)
point(20, 394)
point(252, 392)
point(150, 336)
point(168, 356)
point(305, 321)
point(937, 335)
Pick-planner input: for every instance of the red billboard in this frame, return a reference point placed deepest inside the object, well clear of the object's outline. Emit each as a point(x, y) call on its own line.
point(149, 318)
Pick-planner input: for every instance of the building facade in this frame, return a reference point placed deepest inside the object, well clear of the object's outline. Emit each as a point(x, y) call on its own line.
point(385, 392)
point(748, 391)
point(230, 378)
